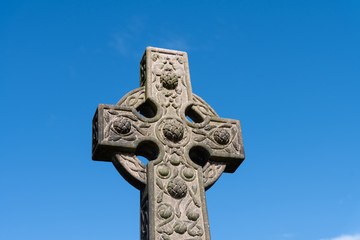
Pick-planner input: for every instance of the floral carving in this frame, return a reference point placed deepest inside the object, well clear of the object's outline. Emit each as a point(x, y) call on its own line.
point(222, 136)
point(165, 211)
point(169, 67)
point(169, 81)
point(121, 126)
point(219, 136)
point(193, 215)
point(166, 214)
point(173, 130)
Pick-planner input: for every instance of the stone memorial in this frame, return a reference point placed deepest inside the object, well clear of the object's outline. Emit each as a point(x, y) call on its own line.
point(187, 144)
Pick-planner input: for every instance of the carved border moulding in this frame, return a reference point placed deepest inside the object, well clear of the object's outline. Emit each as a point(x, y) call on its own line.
point(186, 157)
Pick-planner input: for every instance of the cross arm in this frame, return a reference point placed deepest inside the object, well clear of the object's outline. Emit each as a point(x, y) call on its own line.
point(117, 129)
point(222, 138)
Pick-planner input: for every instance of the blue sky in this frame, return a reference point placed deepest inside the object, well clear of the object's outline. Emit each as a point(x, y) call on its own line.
point(288, 70)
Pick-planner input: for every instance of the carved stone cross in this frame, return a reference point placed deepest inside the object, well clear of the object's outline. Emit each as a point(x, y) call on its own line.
point(189, 146)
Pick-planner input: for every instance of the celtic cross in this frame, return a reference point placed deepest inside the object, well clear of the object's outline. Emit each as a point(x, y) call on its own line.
point(188, 146)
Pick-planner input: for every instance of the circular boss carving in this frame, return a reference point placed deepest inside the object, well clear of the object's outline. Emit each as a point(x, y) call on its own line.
point(177, 188)
point(165, 211)
point(173, 130)
point(188, 174)
point(222, 136)
point(121, 126)
point(163, 171)
point(169, 81)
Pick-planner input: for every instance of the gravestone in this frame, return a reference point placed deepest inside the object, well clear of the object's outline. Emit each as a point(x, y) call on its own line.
point(187, 144)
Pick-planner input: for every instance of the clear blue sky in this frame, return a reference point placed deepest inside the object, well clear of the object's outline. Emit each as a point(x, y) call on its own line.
point(288, 70)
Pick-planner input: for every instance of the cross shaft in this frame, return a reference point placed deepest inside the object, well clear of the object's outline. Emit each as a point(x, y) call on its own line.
point(186, 157)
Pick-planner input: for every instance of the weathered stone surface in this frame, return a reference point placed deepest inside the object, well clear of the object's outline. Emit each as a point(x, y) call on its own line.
point(186, 157)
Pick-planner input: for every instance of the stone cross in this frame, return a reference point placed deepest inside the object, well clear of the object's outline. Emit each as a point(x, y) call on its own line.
point(187, 144)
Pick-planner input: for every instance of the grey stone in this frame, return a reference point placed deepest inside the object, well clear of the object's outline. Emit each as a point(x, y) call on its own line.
point(186, 157)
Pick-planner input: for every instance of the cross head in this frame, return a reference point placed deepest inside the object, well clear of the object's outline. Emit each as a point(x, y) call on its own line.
point(187, 144)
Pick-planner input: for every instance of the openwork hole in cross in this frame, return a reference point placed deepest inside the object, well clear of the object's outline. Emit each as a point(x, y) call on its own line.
point(199, 155)
point(192, 115)
point(147, 109)
point(148, 150)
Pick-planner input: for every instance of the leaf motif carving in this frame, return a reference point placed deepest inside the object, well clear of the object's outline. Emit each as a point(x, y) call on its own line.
point(160, 197)
point(130, 138)
point(196, 202)
point(176, 172)
point(141, 174)
point(112, 112)
point(140, 130)
point(228, 150)
point(114, 138)
point(107, 132)
point(131, 117)
point(199, 132)
point(164, 237)
point(194, 188)
point(199, 139)
point(159, 184)
point(144, 125)
point(225, 126)
point(209, 127)
point(236, 146)
point(177, 210)
point(233, 131)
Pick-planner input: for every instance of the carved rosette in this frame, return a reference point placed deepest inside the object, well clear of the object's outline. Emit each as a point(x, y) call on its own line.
point(219, 135)
point(123, 125)
point(172, 132)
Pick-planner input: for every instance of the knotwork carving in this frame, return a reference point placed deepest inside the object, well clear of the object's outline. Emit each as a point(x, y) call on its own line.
point(131, 164)
point(211, 173)
point(144, 216)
